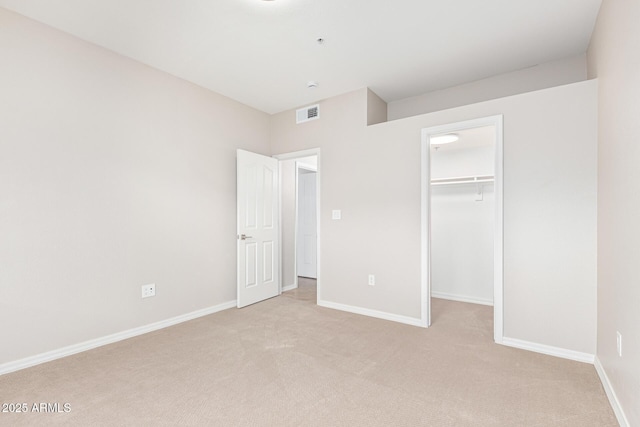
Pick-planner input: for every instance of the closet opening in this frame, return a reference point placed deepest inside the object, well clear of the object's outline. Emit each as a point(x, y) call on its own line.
point(299, 223)
point(462, 215)
point(462, 199)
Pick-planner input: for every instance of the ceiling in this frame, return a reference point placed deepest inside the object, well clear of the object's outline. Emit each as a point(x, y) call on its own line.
point(263, 53)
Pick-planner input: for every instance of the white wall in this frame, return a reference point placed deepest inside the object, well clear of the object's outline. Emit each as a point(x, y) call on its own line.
point(462, 243)
point(549, 208)
point(461, 227)
point(112, 175)
point(471, 161)
point(542, 76)
point(614, 57)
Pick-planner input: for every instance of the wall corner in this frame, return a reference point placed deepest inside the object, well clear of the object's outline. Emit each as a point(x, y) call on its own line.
point(376, 109)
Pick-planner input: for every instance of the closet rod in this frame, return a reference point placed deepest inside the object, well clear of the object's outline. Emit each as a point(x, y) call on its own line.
point(463, 180)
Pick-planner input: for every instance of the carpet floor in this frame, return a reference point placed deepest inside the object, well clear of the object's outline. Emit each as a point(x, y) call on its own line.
point(288, 362)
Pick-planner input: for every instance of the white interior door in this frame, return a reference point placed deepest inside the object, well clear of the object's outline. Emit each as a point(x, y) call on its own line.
point(306, 264)
point(258, 228)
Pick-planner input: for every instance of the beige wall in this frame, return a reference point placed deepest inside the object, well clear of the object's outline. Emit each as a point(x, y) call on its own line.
point(112, 175)
point(372, 173)
point(550, 74)
point(614, 57)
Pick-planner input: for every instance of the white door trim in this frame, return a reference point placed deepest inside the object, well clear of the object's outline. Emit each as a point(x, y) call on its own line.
point(498, 248)
point(298, 155)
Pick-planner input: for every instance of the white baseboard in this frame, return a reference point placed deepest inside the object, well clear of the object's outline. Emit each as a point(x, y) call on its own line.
point(289, 287)
point(462, 298)
point(372, 313)
point(611, 394)
point(27, 362)
point(550, 350)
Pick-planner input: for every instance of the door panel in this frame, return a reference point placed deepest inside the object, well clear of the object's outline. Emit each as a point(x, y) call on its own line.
point(251, 264)
point(257, 228)
point(268, 261)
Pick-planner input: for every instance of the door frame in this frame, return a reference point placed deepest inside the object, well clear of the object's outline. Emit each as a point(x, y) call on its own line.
point(311, 168)
point(292, 156)
point(498, 229)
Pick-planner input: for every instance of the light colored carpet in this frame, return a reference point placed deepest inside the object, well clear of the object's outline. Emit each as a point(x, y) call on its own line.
point(287, 362)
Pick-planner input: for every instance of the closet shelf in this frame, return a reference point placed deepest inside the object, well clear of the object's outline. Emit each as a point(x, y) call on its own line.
point(462, 180)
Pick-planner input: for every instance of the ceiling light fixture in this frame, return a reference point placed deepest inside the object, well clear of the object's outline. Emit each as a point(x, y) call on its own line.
point(311, 84)
point(444, 139)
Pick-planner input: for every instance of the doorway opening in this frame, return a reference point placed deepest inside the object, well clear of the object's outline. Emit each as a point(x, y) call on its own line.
point(462, 223)
point(300, 223)
point(306, 218)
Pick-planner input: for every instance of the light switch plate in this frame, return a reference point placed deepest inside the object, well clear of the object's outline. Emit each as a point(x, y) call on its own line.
point(336, 214)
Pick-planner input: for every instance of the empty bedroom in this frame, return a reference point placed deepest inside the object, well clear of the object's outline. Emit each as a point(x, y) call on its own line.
point(298, 213)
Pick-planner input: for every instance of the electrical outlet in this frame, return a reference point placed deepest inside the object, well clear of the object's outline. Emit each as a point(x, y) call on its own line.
point(372, 280)
point(619, 343)
point(149, 290)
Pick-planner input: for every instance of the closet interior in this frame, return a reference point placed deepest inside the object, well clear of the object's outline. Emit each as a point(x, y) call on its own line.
point(462, 216)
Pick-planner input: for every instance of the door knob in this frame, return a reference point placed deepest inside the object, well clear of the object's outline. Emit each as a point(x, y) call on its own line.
point(245, 237)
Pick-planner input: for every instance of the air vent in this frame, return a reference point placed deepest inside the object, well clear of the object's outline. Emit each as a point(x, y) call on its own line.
point(308, 113)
